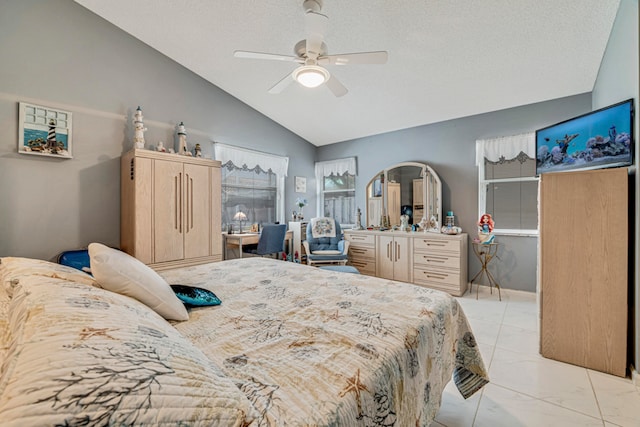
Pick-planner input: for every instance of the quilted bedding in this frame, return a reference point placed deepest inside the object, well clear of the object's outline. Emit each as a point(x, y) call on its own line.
point(313, 347)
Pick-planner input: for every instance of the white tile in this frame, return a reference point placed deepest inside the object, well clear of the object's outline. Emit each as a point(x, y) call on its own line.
point(618, 398)
point(500, 407)
point(518, 339)
point(486, 351)
point(485, 332)
point(522, 315)
point(455, 411)
point(554, 382)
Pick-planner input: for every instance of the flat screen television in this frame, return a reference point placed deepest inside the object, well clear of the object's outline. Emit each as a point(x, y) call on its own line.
point(600, 139)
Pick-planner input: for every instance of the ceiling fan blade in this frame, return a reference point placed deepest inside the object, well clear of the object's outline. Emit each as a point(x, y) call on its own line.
point(282, 84)
point(336, 87)
point(270, 56)
point(316, 26)
point(379, 57)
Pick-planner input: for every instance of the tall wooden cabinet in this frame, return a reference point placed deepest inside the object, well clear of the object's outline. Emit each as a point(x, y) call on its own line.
point(170, 209)
point(394, 196)
point(583, 268)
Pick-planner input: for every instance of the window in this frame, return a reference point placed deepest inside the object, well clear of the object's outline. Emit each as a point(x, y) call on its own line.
point(508, 186)
point(337, 189)
point(252, 183)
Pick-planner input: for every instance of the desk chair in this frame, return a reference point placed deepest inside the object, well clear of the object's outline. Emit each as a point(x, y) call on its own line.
point(324, 244)
point(271, 241)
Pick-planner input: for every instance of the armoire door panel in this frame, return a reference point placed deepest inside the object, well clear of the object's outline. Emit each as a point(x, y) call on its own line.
point(169, 222)
point(197, 200)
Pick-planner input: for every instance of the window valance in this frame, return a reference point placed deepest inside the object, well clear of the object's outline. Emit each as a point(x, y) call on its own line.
point(242, 156)
point(507, 147)
point(336, 167)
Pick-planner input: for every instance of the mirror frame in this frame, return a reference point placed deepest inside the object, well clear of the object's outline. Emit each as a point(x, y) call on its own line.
point(426, 172)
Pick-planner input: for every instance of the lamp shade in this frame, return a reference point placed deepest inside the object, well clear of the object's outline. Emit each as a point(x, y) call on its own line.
point(240, 216)
point(310, 75)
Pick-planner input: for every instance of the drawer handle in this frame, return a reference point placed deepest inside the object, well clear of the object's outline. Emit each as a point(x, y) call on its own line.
point(435, 260)
point(436, 276)
point(432, 243)
point(357, 251)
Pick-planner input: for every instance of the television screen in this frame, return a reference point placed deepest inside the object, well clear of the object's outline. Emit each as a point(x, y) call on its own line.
point(600, 139)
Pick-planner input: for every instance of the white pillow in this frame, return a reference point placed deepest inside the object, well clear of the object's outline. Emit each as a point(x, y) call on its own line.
point(119, 272)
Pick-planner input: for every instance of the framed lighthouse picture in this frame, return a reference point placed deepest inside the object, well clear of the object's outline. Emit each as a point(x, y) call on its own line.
point(44, 131)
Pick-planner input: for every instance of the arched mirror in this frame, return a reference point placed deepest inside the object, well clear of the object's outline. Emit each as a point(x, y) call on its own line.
point(410, 188)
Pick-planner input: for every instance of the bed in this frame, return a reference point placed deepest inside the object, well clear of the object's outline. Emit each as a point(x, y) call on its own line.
point(289, 345)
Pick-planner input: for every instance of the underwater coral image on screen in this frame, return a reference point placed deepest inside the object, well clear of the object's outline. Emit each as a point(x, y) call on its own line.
point(600, 139)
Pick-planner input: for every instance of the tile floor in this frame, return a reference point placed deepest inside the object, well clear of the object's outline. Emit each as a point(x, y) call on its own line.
point(526, 389)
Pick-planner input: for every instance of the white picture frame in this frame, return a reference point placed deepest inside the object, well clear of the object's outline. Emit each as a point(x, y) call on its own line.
point(44, 131)
point(301, 184)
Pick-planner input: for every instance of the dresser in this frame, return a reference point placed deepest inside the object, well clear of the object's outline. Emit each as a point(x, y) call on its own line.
point(170, 209)
point(433, 260)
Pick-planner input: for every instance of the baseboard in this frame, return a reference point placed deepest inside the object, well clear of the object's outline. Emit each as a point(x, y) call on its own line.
point(635, 376)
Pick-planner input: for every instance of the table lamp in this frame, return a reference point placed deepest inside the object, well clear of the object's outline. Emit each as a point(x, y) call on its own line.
point(240, 216)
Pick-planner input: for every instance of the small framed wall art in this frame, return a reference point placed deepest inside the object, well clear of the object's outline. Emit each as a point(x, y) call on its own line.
point(44, 131)
point(301, 184)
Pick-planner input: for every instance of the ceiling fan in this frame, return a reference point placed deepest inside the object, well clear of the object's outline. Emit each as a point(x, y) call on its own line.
point(311, 54)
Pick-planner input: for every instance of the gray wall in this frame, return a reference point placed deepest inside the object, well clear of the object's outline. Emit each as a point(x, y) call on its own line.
point(449, 147)
point(618, 80)
point(85, 65)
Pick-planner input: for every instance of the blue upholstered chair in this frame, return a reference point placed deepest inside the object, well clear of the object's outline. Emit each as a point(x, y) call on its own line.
point(324, 244)
point(271, 241)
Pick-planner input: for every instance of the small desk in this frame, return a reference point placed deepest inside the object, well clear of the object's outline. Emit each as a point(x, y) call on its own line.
point(485, 253)
point(239, 239)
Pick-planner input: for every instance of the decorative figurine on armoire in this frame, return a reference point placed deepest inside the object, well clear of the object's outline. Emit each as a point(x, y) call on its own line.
point(139, 129)
point(197, 150)
point(182, 141)
point(485, 229)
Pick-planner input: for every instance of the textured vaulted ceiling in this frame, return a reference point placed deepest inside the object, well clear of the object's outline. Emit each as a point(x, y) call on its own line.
point(447, 58)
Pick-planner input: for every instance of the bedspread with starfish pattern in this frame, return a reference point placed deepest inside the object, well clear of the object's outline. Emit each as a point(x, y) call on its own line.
point(311, 347)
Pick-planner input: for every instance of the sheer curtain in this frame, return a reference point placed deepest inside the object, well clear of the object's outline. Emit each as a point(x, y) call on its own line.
point(252, 182)
point(336, 189)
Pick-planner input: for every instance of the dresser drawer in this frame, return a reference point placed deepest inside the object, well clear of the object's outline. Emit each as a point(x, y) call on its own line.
point(425, 276)
point(436, 259)
point(435, 244)
point(364, 266)
point(358, 251)
point(367, 239)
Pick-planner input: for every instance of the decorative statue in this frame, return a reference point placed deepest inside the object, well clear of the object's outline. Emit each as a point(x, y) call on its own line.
point(182, 140)
point(198, 150)
point(160, 147)
point(358, 220)
point(404, 222)
point(139, 129)
point(485, 229)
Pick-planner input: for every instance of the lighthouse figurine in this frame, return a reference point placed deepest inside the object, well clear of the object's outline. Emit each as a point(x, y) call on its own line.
point(139, 129)
point(182, 141)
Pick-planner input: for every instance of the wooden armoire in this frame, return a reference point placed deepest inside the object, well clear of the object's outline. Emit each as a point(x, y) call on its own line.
point(170, 209)
point(584, 246)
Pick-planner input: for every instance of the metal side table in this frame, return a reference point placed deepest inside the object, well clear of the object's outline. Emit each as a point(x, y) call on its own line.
point(485, 252)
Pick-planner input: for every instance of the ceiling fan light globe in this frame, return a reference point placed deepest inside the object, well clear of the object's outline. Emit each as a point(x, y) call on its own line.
point(311, 76)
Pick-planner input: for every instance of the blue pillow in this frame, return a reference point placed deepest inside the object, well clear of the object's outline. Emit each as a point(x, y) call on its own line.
point(195, 297)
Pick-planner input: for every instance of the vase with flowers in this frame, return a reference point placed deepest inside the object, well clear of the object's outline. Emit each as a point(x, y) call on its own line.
point(301, 203)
